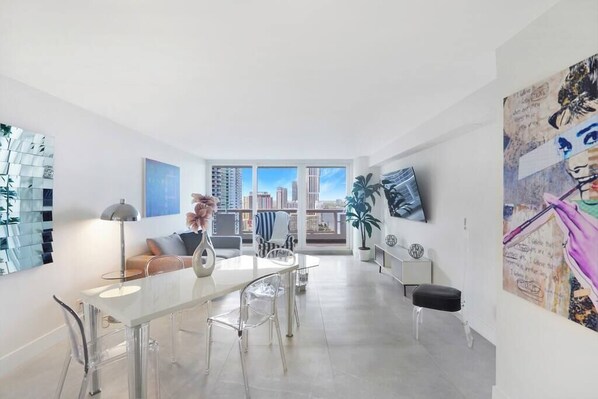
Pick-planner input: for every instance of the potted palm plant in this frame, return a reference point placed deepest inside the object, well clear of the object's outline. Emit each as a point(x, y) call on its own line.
point(359, 210)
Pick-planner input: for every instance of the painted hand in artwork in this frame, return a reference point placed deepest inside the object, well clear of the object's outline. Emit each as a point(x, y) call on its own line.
point(582, 242)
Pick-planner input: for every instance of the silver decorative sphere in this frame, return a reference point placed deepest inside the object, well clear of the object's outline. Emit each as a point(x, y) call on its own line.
point(416, 251)
point(390, 240)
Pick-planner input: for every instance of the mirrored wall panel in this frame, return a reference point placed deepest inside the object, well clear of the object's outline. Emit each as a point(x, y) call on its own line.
point(26, 199)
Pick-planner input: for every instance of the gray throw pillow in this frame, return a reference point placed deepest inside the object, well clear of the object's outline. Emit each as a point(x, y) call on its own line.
point(169, 245)
point(191, 241)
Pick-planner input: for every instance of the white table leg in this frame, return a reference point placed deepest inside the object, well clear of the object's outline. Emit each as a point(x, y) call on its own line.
point(137, 353)
point(91, 323)
point(290, 302)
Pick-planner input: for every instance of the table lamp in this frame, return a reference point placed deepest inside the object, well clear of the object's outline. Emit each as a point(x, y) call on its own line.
point(121, 212)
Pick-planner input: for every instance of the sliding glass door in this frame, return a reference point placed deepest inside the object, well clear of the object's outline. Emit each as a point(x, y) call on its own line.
point(275, 192)
point(312, 194)
point(232, 185)
point(326, 189)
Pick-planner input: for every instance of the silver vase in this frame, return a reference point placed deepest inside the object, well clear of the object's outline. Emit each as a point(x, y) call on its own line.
point(204, 257)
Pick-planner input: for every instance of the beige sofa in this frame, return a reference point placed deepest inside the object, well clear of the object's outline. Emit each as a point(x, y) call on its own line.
point(183, 245)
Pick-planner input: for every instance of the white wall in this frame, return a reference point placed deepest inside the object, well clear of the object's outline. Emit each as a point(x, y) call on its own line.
point(453, 177)
point(540, 354)
point(457, 160)
point(96, 163)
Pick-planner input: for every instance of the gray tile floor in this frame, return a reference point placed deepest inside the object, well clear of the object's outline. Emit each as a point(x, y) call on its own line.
point(354, 342)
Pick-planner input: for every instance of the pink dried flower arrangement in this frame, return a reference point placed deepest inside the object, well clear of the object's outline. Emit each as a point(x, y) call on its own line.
point(205, 206)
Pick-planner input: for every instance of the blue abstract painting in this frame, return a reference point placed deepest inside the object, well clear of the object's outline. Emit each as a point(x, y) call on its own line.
point(162, 189)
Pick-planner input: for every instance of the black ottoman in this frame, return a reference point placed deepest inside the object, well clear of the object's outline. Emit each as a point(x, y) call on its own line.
point(438, 297)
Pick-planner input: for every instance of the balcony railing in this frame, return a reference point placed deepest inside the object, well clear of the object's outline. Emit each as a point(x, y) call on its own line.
point(323, 226)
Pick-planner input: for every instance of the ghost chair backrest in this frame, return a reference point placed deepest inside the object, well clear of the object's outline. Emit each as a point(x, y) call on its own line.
point(163, 264)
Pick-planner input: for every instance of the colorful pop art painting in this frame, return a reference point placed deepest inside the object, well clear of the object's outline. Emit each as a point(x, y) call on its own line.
point(550, 213)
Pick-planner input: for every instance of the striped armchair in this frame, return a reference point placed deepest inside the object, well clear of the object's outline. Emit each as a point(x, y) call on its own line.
point(264, 224)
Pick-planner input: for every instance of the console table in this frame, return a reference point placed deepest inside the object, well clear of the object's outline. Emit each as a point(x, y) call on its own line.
point(402, 267)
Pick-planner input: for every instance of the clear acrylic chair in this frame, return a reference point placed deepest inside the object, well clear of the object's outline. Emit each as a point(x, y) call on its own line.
point(257, 306)
point(109, 349)
point(164, 264)
point(284, 255)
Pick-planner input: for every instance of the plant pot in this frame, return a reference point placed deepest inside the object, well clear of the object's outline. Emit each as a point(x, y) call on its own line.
point(364, 254)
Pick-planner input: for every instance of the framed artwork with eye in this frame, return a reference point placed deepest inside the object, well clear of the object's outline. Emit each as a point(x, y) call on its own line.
point(550, 213)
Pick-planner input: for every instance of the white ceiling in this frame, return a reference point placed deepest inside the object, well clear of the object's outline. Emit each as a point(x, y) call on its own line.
point(261, 79)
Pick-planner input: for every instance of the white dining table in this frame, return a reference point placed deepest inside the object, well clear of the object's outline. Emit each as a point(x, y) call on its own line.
point(135, 303)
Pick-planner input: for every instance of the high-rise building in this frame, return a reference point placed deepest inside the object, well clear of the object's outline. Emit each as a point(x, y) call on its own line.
point(264, 201)
point(294, 194)
point(282, 197)
point(313, 187)
point(227, 186)
point(248, 201)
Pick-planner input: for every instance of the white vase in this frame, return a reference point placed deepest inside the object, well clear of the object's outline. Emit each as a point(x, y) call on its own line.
point(204, 257)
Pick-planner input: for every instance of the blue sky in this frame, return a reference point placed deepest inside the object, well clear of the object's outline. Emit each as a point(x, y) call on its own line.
point(333, 181)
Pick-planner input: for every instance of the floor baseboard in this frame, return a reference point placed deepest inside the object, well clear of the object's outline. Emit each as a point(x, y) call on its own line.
point(27, 352)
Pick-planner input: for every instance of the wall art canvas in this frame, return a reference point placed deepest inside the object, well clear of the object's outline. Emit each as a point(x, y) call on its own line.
point(550, 214)
point(26, 199)
point(162, 189)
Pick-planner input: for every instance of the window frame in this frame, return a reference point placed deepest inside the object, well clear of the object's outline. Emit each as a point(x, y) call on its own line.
point(301, 166)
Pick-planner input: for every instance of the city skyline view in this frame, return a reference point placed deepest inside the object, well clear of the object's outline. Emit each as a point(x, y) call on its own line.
point(333, 181)
point(278, 188)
